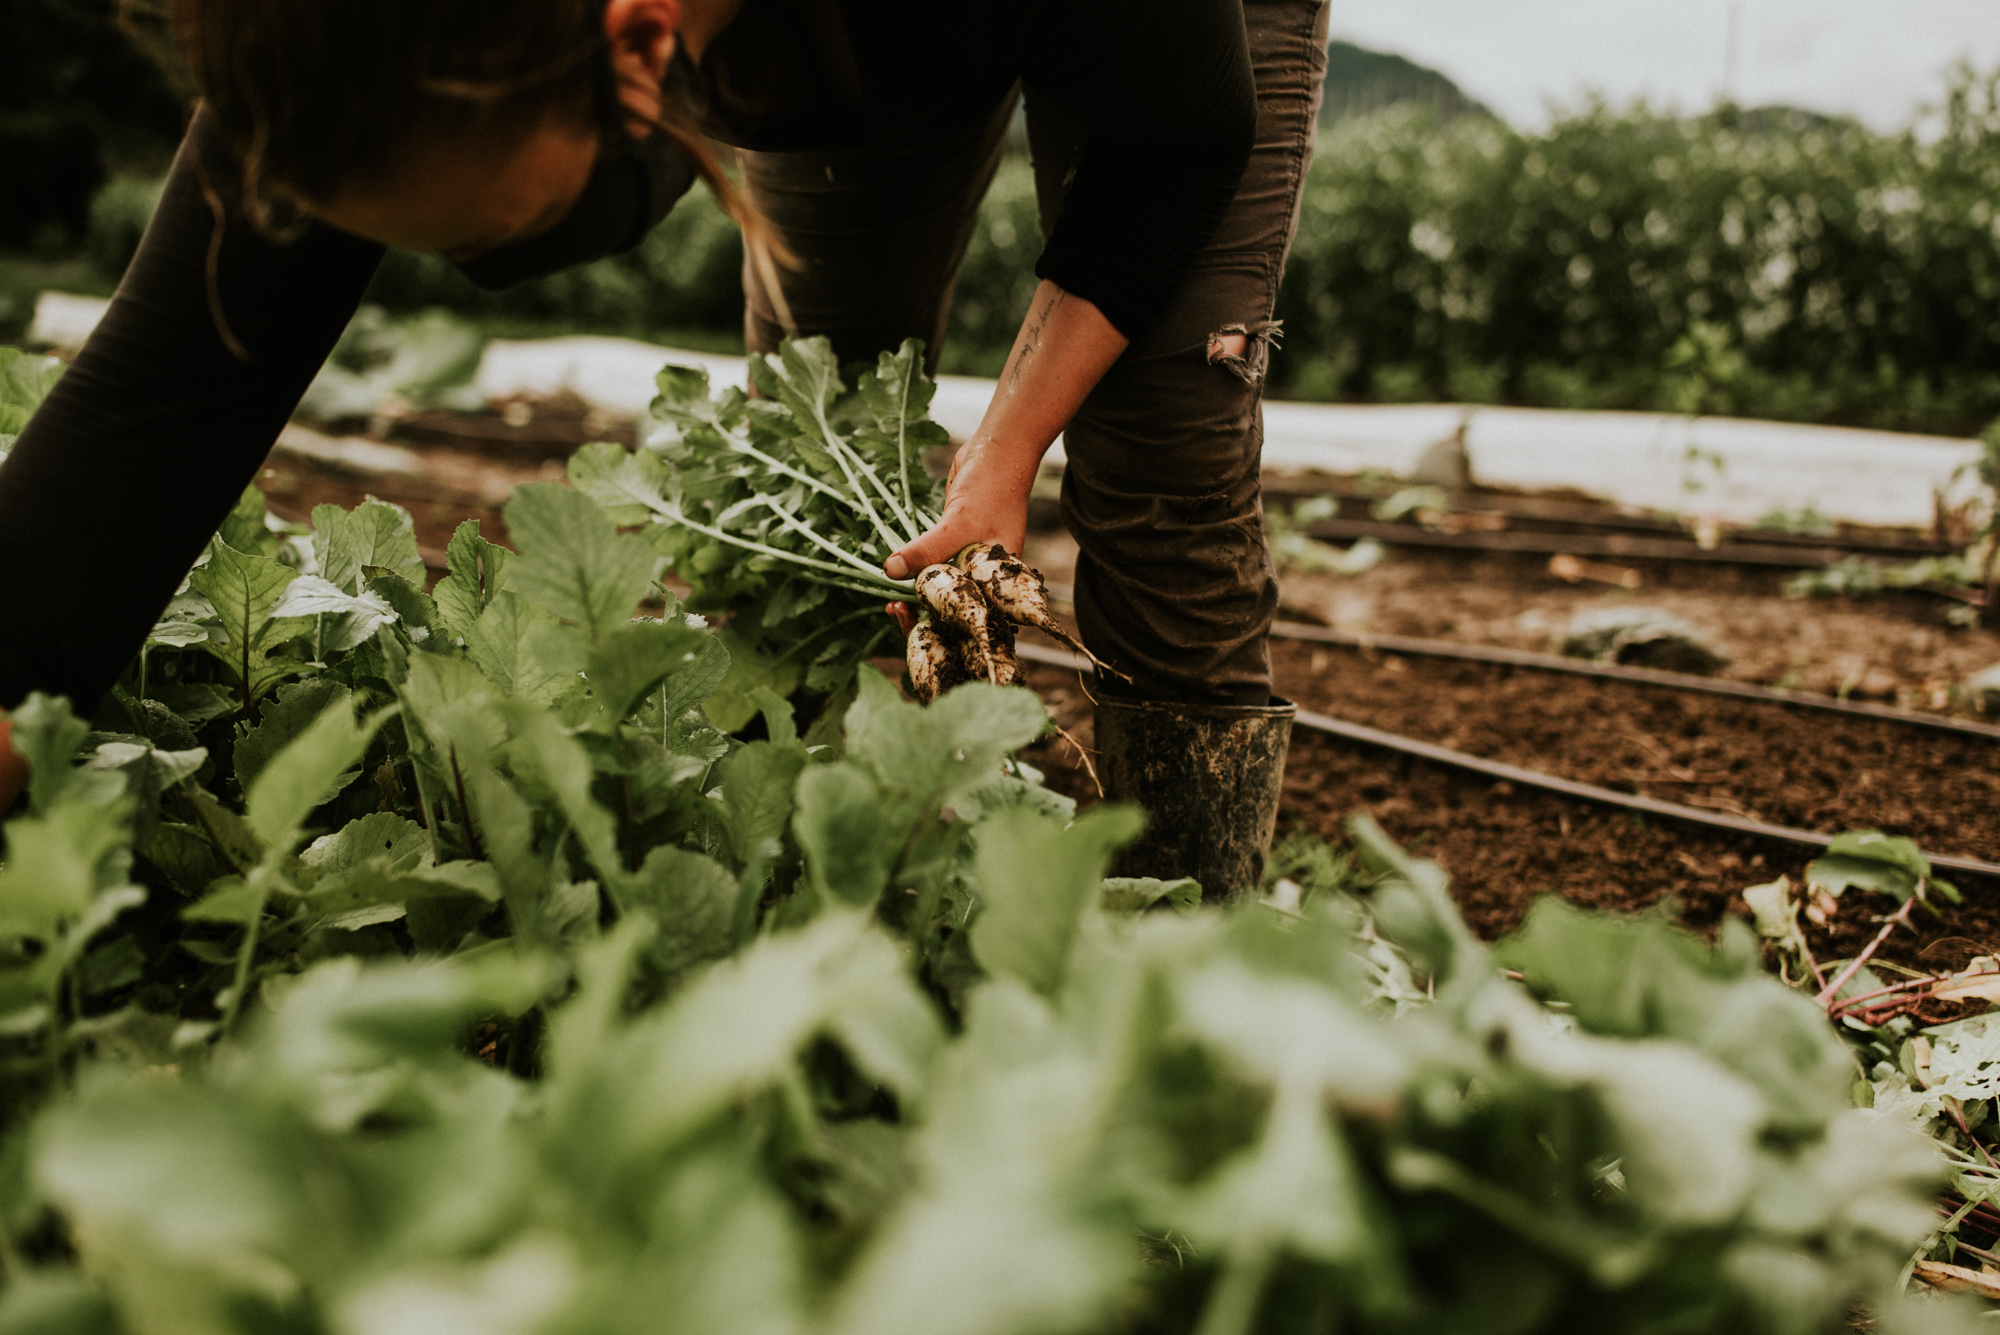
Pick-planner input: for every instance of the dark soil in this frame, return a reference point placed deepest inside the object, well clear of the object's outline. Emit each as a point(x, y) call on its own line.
point(1503, 846)
point(292, 486)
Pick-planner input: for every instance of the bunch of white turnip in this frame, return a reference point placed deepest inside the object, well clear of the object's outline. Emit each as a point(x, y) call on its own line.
point(970, 611)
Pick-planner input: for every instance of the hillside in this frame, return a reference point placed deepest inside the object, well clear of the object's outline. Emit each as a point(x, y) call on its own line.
point(1359, 81)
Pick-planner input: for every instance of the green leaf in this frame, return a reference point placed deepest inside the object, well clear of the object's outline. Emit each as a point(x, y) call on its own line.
point(47, 734)
point(354, 617)
point(1873, 861)
point(230, 900)
point(303, 775)
point(244, 527)
point(631, 485)
point(227, 832)
point(1413, 907)
point(398, 881)
point(24, 382)
point(633, 659)
point(698, 680)
point(55, 1302)
point(456, 709)
point(551, 766)
point(381, 839)
point(1036, 878)
point(777, 711)
point(681, 1066)
point(574, 564)
point(897, 391)
point(500, 643)
point(152, 768)
point(478, 570)
point(57, 862)
point(693, 902)
point(286, 716)
point(1135, 894)
point(757, 784)
point(849, 851)
point(733, 703)
point(374, 533)
point(184, 853)
point(1643, 978)
point(684, 395)
point(949, 748)
point(806, 374)
point(1297, 1190)
point(245, 590)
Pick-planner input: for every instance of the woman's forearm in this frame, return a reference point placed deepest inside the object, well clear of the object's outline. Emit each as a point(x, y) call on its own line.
point(1064, 348)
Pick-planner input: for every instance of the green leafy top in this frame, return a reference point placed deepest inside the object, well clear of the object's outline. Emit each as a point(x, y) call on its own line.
point(24, 382)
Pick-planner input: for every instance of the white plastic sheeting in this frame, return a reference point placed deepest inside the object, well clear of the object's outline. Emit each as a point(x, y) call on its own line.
point(616, 374)
point(1736, 470)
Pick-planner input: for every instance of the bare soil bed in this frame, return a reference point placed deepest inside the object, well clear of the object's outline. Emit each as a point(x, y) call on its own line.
point(1504, 846)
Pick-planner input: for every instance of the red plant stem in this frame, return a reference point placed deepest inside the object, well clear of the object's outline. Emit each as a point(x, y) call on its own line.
point(1851, 1003)
point(1981, 1214)
point(1875, 1018)
point(1958, 1115)
point(1840, 979)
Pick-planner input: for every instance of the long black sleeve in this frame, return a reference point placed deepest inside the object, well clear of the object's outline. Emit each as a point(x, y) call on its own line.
point(149, 437)
point(1166, 89)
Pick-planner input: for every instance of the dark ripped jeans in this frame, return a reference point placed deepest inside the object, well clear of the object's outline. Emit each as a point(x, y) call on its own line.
point(1174, 582)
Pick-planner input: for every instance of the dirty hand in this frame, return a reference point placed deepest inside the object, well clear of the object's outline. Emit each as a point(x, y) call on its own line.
point(986, 500)
point(13, 769)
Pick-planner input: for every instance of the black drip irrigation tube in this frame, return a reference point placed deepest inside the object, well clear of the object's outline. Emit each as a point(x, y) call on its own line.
point(1681, 681)
point(1588, 792)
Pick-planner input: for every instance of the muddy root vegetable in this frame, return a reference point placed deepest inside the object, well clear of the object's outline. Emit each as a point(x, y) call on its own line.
point(1000, 655)
point(925, 656)
point(936, 660)
point(957, 602)
point(1016, 591)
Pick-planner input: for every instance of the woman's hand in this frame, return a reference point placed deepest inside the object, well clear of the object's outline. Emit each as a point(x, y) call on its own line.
point(13, 769)
point(1064, 348)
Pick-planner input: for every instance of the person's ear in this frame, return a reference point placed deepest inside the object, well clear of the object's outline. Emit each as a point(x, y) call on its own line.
point(641, 35)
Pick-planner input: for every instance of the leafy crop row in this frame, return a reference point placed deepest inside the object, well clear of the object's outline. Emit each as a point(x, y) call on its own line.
point(378, 960)
point(1625, 259)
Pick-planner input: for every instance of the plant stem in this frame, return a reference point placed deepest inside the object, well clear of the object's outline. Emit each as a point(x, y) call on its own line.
point(465, 810)
point(880, 585)
point(803, 530)
point(246, 954)
point(1853, 1003)
point(1950, 1225)
point(1902, 914)
point(1958, 1115)
point(903, 441)
point(842, 455)
point(742, 445)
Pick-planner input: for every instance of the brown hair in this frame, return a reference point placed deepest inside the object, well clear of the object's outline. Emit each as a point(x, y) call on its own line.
point(318, 94)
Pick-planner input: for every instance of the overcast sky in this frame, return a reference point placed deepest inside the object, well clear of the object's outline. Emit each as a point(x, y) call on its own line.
point(1876, 59)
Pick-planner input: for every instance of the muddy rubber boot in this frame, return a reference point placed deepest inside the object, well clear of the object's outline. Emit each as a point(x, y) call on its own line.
point(1208, 778)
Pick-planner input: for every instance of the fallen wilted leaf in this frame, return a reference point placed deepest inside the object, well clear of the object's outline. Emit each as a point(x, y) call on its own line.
point(1958, 1279)
point(1974, 984)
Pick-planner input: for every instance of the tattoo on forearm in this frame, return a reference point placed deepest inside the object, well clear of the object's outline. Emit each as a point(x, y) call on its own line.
point(1031, 333)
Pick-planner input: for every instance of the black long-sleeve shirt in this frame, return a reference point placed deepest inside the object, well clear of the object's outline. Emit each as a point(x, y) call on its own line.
point(128, 468)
